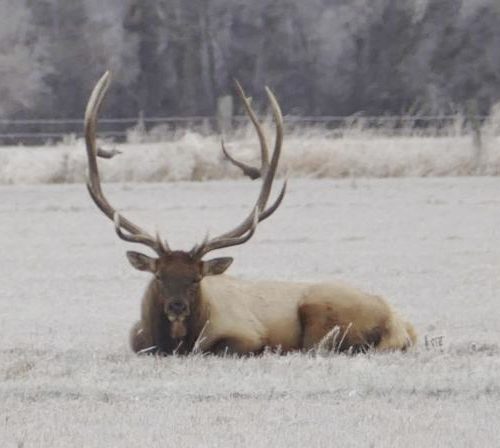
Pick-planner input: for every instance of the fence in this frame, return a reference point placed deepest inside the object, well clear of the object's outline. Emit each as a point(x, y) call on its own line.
point(46, 131)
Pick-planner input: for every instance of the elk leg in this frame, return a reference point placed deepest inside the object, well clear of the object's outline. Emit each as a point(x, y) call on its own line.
point(139, 340)
point(316, 322)
point(321, 324)
point(400, 335)
point(236, 346)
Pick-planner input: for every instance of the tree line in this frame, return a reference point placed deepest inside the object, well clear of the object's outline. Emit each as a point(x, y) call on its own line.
point(178, 57)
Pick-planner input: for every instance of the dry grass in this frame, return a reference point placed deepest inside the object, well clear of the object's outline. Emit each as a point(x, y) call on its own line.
point(308, 153)
point(68, 298)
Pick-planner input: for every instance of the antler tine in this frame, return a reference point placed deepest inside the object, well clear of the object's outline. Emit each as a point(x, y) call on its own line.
point(219, 243)
point(196, 250)
point(131, 238)
point(107, 153)
point(267, 177)
point(163, 243)
point(250, 171)
point(227, 238)
point(269, 211)
point(137, 234)
point(264, 150)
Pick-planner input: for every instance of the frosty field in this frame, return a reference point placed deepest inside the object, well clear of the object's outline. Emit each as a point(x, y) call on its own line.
point(68, 298)
point(309, 153)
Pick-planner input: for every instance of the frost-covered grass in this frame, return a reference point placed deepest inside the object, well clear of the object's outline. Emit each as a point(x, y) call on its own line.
point(312, 153)
point(68, 298)
point(78, 398)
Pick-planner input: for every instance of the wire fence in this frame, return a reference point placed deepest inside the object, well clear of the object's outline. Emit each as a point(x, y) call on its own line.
point(47, 131)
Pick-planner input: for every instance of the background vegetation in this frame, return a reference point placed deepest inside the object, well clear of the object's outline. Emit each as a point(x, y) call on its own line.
point(322, 57)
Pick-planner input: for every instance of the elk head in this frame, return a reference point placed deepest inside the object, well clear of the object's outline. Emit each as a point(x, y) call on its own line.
point(177, 274)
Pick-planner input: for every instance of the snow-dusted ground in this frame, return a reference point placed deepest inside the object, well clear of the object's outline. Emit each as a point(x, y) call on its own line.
point(68, 298)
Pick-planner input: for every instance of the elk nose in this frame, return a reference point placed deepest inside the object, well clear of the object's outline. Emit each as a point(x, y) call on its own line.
point(177, 307)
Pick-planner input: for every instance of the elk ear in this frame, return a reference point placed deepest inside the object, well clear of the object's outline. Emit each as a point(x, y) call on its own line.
point(142, 262)
point(216, 266)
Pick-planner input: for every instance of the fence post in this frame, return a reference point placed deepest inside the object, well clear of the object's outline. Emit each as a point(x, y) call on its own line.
point(477, 141)
point(224, 114)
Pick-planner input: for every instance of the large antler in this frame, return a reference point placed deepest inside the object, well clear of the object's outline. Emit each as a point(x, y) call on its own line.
point(135, 233)
point(250, 171)
point(244, 231)
point(240, 234)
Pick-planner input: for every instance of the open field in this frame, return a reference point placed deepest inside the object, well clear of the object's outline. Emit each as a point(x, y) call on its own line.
point(68, 299)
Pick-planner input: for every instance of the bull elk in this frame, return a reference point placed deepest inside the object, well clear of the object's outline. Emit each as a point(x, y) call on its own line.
point(190, 305)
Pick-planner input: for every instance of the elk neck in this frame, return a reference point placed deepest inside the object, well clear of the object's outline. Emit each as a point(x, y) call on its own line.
point(195, 322)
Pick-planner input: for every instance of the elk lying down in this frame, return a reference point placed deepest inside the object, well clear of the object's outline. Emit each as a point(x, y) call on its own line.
point(191, 305)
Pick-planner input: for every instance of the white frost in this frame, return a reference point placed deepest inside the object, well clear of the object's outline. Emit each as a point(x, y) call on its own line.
point(314, 154)
point(68, 299)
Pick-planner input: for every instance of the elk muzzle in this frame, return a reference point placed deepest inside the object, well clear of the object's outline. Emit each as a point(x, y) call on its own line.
point(177, 311)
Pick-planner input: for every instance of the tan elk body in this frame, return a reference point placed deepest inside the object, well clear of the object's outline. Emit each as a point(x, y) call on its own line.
point(191, 305)
point(241, 316)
